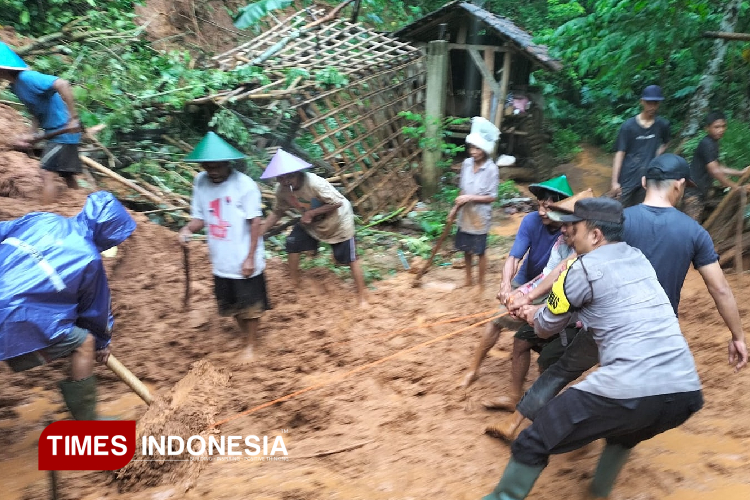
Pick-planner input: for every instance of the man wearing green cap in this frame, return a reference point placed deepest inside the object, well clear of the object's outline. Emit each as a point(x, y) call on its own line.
point(50, 101)
point(327, 216)
point(228, 203)
point(536, 237)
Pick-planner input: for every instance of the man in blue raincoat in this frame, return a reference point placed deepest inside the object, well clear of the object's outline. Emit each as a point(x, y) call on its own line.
point(54, 297)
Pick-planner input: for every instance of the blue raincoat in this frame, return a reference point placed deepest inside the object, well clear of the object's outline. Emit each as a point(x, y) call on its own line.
point(52, 277)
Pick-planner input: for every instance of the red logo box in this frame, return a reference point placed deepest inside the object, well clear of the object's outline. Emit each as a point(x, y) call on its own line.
point(87, 445)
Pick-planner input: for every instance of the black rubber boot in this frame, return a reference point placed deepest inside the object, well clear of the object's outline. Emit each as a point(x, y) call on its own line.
point(517, 481)
point(611, 461)
point(80, 397)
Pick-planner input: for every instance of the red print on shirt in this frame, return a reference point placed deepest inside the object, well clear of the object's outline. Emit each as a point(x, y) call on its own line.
point(217, 227)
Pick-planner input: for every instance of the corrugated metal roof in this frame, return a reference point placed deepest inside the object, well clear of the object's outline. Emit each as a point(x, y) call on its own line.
point(504, 27)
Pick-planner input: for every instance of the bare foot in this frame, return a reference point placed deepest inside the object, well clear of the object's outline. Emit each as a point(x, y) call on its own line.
point(363, 304)
point(505, 403)
point(469, 379)
point(247, 355)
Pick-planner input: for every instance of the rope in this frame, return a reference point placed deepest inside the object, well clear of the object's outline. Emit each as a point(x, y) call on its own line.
point(342, 376)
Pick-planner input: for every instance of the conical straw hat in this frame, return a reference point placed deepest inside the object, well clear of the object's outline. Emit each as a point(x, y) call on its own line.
point(556, 185)
point(213, 148)
point(9, 59)
point(284, 163)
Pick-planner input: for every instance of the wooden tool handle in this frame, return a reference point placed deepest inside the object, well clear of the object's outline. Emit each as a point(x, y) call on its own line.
point(446, 231)
point(131, 380)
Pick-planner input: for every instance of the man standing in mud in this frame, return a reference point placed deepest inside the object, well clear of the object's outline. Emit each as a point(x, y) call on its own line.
point(537, 236)
point(54, 297)
point(228, 203)
point(647, 382)
point(326, 215)
point(641, 138)
point(50, 101)
point(671, 241)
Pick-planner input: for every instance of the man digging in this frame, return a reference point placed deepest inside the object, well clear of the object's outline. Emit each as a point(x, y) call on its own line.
point(50, 101)
point(228, 203)
point(327, 216)
point(54, 297)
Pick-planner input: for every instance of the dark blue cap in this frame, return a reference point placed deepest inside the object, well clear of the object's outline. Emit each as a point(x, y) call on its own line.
point(652, 93)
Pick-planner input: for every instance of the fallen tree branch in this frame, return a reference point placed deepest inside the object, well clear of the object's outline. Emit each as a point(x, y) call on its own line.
point(727, 35)
point(114, 175)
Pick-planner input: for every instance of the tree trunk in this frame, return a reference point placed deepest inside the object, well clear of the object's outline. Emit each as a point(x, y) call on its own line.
point(702, 98)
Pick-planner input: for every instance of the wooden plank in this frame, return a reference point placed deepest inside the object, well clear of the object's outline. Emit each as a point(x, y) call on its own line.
point(739, 250)
point(503, 89)
point(464, 46)
point(486, 73)
point(489, 63)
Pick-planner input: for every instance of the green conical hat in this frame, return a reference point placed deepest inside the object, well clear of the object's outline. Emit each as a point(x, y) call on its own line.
point(213, 148)
point(556, 185)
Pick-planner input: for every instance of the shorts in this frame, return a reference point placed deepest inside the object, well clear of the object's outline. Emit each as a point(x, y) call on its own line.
point(474, 244)
point(61, 158)
point(300, 241)
point(242, 298)
point(632, 196)
point(65, 347)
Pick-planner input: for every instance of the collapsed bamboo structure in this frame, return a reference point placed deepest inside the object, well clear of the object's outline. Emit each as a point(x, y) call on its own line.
point(348, 87)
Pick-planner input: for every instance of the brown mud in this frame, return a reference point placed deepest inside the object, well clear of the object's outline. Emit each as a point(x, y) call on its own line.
point(423, 436)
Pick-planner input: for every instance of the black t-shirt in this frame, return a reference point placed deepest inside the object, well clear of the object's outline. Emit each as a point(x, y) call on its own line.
point(706, 152)
point(640, 145)
point(670, 240)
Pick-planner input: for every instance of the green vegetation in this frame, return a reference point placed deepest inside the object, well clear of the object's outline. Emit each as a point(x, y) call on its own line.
point(610, 50)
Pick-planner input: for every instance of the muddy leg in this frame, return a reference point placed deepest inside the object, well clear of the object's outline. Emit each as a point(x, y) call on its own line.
point(489, 339)
point(82, 360)
point(359, 282)
point(71, 182)
point(49, 189)
point(293, 261)
point(249, 327)
point(518, 370)
point(467, 268)
point(482, 269)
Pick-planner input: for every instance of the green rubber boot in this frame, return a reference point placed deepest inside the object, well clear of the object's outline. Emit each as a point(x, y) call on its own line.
point(611, 461)
point(517, 481)
point(80, 397)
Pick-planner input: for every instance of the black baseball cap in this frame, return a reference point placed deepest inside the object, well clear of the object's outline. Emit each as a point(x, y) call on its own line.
point(600, 209)
point(652, 93)
point(669, 166)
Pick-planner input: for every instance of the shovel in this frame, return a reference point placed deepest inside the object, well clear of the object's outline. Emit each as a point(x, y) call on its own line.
point(131, 380)
point(435, 249)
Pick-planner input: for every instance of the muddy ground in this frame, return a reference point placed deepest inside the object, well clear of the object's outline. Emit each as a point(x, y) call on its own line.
point(421, 436)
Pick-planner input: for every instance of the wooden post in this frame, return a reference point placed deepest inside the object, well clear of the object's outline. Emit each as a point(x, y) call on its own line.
point(489, 62)
point(437, 77)
point(739, 250)
point(503, 89)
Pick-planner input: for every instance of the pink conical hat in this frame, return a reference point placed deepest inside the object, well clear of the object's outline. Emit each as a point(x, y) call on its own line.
point(284, 163)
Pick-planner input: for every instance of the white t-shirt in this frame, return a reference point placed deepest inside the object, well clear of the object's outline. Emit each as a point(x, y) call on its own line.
point(225, 210)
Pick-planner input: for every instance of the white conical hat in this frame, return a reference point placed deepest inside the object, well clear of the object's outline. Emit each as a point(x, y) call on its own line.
point(484, 134)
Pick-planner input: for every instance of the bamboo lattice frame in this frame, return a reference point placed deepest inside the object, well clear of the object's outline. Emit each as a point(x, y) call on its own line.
point(358, 128)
